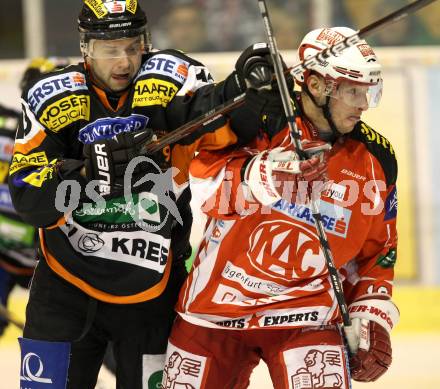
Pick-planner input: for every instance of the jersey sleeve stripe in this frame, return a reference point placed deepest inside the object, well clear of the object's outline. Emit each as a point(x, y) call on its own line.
point(34, 142)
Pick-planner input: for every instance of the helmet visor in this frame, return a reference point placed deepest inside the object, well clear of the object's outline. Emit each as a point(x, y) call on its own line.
point(116, 48)
point(107, 34)
point(357, 94)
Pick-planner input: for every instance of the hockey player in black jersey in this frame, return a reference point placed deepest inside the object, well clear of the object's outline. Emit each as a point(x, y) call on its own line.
point(111, 266)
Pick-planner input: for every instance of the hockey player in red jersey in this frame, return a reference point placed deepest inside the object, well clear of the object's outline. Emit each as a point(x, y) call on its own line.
point(111, 266)
point(259, 287)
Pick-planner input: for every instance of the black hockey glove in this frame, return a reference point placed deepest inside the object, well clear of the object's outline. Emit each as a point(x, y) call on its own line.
point(255, 75)
point(107, 159)
point(69, 169)
point(267, 103)
point(254, 68)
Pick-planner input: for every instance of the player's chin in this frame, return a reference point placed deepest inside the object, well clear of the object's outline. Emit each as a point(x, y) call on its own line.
point(347, 125)
point(119, 84)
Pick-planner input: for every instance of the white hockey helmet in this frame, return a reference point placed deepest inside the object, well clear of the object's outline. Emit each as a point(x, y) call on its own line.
point(357, 64)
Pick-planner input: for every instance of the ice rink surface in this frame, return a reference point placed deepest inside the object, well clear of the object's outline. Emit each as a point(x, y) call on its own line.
point(416, 366)
point(416, 345)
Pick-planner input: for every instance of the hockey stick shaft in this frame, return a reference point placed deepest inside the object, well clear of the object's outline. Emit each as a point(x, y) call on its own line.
point(352, 40)
point(193, 125)
point(5, 314)
point(296, 138)
point(395, 16)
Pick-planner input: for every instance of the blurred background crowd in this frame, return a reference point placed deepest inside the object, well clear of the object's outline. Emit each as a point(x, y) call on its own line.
point(223, 25)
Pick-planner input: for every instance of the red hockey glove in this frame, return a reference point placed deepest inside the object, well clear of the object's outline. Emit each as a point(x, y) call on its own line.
point(279, 174)
point(369, 364)
point(372, 321)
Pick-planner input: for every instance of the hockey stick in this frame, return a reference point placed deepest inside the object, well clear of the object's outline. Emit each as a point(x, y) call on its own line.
point(295, 134)
point(296, 138)
point(5, 314)
point(335, 49)
point(190, 127)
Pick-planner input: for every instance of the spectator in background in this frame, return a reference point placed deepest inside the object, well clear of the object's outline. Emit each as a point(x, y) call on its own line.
point(360, 13)
point(232, 24)
point(289, 21)
point(429, 19)
point(183, 27)
point(11, 272)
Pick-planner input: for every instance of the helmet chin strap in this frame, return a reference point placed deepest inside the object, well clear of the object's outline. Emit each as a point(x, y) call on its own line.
point(326, 112)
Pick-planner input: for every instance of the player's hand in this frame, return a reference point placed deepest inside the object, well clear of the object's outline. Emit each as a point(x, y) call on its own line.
point(254, 68)
point(106, 160)
point(373, 358)
point(280, 174)
point(372, 321)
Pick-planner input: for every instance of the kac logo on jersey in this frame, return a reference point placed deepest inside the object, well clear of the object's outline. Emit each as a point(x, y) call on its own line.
point(107, 128)
point(183, 369)
point(285, 249)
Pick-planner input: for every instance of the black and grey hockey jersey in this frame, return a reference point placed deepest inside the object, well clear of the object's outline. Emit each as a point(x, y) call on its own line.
point(119, 250)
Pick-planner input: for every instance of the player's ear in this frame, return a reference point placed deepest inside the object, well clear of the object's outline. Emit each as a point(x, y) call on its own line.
point(315, 85)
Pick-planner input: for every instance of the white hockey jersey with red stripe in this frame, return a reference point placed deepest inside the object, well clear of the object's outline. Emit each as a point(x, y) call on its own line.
point(263, 267)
